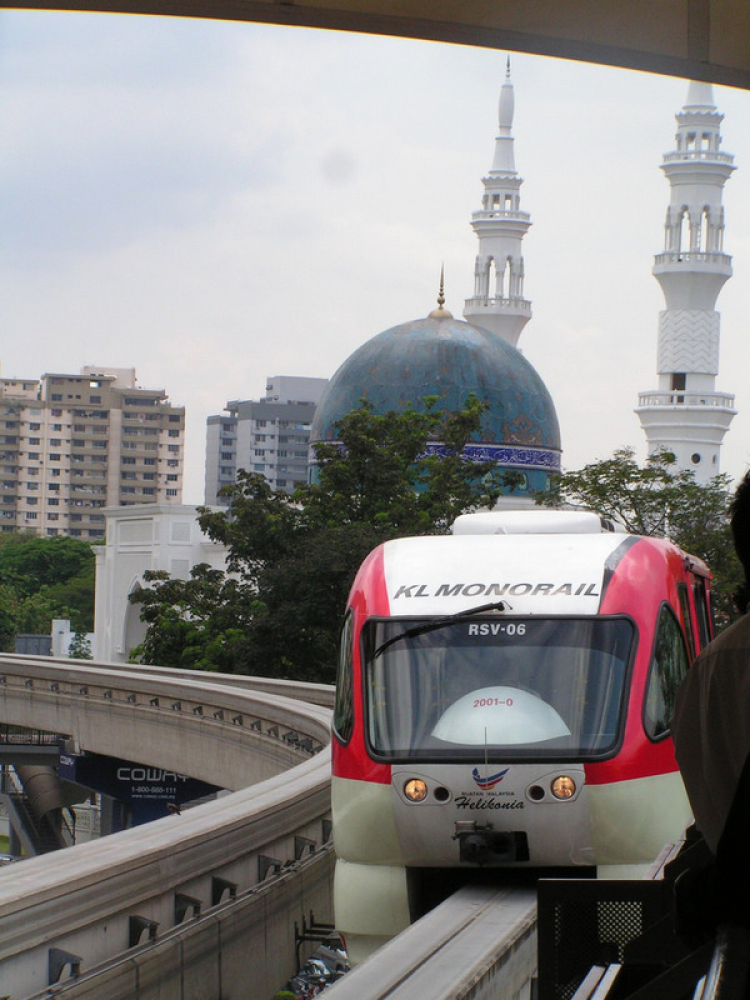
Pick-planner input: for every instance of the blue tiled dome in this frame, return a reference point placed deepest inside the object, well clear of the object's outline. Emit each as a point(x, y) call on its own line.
point(444, 357)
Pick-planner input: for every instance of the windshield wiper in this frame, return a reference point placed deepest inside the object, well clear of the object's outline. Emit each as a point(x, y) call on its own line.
point(438, 623)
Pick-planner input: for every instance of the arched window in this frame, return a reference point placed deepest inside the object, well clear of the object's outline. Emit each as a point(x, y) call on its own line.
point(133, 629)
point(683, 231)
point(705, 233)
point(499, 283)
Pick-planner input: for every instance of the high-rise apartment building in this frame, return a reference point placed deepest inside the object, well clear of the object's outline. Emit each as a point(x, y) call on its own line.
point(73, 444)
point(269, 436)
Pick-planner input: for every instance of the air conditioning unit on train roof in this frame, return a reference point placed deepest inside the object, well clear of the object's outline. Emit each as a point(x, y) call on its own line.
point(533, 522)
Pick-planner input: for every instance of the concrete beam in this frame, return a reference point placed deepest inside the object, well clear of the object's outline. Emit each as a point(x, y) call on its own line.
point(696, 39)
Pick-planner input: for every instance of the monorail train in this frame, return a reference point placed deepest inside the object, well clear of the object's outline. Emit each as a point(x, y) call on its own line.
point(504, 699)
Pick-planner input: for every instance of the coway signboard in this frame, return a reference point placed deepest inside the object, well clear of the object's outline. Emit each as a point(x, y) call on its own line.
point(151, 792)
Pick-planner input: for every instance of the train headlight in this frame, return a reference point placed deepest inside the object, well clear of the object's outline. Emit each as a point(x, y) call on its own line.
point(415, 790)
point(563, 787)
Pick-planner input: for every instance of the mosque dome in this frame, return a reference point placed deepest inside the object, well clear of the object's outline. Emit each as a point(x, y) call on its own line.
point(448, 358)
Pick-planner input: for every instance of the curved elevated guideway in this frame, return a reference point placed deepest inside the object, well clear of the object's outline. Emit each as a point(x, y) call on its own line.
point(180, 897)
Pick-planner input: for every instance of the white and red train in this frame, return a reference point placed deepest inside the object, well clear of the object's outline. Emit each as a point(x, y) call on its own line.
point(504, 699)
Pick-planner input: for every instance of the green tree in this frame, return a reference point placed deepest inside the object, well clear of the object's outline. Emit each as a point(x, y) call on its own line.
point(658, 499)
point(195, 624)
point(80, 647)
point(75, 596)
point(42, 579)
point(29, 563)
point(293, 558)
point(380, 472)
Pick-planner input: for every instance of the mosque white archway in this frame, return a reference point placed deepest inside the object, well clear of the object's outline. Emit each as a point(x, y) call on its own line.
point(139, 538)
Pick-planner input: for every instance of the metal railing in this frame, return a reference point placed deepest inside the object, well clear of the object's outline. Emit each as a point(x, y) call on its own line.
point(624, 940)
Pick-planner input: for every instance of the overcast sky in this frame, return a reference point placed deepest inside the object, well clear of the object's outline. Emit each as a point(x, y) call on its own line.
point(212, 203)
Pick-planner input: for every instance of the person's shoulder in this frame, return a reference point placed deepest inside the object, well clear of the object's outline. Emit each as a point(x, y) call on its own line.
point(718, 659)
point(734, 636)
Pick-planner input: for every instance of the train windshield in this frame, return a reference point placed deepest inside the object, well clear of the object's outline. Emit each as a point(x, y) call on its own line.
point(501, 687)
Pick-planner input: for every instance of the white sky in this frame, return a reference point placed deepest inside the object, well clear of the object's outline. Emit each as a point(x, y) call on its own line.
point(212, 203)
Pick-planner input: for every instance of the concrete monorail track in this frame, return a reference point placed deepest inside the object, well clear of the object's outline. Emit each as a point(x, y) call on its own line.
point(183, 878)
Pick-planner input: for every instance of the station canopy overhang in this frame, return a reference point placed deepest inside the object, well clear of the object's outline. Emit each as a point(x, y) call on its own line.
point(696, 39)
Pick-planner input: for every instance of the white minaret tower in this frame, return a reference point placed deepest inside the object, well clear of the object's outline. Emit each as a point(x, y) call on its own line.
point(498, 304)
point(685, 415)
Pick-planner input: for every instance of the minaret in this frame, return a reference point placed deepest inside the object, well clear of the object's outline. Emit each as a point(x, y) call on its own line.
point(685, 415)
point(498, 303)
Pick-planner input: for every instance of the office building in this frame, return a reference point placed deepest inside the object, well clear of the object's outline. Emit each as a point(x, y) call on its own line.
point(269, 436)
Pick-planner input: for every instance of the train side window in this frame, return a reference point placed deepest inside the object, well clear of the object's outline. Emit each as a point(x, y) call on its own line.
point(343, 711)
point(687, 618)
point(669, 664)
point(702, 611)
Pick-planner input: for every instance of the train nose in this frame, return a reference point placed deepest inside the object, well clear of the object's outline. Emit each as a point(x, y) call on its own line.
point(498, 815)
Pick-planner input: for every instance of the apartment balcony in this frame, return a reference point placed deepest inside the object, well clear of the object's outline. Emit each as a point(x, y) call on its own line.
point(93, 480)
point(94, 433)
point(134, 461)
point(152, 425)
point(80, 492)
point(139, 450)
point(90, 414)
point(90, 450)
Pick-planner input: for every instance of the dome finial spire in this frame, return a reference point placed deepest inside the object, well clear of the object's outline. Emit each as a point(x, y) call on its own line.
point(440, 312)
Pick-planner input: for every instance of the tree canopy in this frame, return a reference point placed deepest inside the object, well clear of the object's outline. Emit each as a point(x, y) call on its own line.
point(657, 498)
point(292, 558)
point(42, 579)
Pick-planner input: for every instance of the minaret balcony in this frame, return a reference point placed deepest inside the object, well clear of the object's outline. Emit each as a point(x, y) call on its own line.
point(682, 399)
point(708, 261)
point(699, 155)
point(481, 303)
point(500, 214)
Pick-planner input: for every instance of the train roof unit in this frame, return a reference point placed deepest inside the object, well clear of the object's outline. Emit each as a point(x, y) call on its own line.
point(534, 522)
